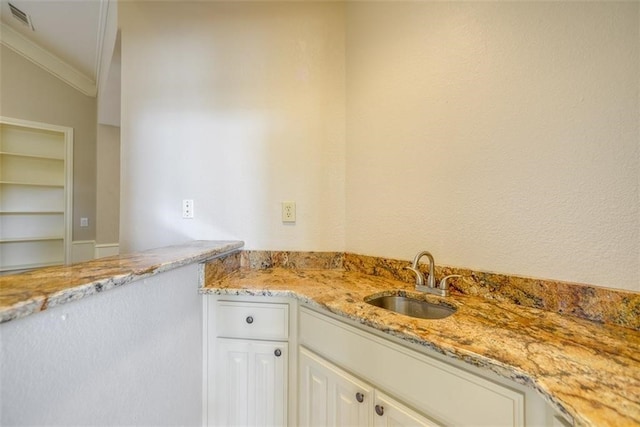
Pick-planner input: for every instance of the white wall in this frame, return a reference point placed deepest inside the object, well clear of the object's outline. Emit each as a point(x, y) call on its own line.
point(500, 136)
point(238, 106)
point(129, 356)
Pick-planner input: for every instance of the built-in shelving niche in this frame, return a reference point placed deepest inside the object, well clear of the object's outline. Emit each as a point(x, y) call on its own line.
point(36, 178)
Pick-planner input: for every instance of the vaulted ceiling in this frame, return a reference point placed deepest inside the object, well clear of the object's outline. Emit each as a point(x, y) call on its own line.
point(70, 30)
point(73, 39)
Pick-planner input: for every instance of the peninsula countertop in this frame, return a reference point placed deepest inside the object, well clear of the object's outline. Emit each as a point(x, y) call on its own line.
point(33, 291)
point(588, 370)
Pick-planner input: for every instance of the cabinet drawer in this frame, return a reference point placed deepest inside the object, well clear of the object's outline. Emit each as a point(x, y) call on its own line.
point(265, 321)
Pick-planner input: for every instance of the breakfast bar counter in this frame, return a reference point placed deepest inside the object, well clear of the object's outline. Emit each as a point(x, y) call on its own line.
point(36, 290)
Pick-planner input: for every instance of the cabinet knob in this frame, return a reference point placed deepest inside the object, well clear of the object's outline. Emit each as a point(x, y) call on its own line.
point(360, 397)
point(380, 410)
point(278, 352)
point(249, 319)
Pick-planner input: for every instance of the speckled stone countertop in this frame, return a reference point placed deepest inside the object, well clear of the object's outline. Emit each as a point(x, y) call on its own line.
point(589, 371)
point(30, 292)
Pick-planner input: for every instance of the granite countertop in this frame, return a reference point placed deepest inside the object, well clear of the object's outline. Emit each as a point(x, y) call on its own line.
point(589, 371)
point(30, 292)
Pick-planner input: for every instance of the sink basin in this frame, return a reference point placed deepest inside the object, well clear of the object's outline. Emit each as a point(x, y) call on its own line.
point(411, 306)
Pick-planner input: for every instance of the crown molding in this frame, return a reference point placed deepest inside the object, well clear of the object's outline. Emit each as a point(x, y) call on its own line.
point(106, 13)
point(46, 60)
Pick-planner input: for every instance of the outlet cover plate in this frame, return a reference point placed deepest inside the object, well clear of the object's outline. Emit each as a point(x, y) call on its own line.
point(187, 208)
point(288, 212)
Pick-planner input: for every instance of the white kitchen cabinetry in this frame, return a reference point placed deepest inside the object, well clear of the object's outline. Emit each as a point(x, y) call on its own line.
point(246, 362)
point(251, 383)
point(330, 396)
point(443, 393)
point(343, 371)
point(390, 412)
point(35, 194)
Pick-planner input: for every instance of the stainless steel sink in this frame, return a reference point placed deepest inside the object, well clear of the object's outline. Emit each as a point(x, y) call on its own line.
point(411, 306)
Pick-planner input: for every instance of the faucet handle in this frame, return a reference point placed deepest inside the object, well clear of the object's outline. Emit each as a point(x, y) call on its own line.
point(444, 282)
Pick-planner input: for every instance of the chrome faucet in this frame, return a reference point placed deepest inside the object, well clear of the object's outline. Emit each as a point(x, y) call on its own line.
point(431, 280)
point(430, 287)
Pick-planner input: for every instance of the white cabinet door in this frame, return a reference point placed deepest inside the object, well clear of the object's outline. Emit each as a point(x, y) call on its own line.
point(431, 386)
point(329, 396)
point(251, 388)
point(391, 413)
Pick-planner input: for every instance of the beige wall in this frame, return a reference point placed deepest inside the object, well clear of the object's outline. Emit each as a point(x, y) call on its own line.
point(28, 92)
point(108, 185)
point(500, 136)
point(238, 106)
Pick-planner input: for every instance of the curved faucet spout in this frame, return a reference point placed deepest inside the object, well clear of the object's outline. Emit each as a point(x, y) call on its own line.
point(431, 280)
point(419, 276)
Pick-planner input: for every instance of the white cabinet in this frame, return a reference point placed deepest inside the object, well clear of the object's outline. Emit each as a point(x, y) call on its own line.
point(35, 194)
point(333, 373)
point(250, 382)
point(262, 321)
point(246, 363)
point(391, 413)
point(330, 396)
point(443, 393)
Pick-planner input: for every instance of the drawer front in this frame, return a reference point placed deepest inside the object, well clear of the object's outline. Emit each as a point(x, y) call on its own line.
point(265, 321)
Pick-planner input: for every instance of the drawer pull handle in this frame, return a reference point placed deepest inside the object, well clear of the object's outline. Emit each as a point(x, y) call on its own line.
point(380, 410)
point(360, 397)
point(278, 352)
point(249, 319)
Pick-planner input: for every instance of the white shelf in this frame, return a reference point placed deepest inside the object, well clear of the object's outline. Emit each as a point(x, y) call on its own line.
point(30, 156)
point(35, 194)
point(31, 212)
point(31, 239)
point(32, 184)
point(30, 266)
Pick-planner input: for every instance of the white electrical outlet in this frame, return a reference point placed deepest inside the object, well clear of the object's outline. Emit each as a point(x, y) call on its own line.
point(187, 208)
point(84, 222)
point(288, 211)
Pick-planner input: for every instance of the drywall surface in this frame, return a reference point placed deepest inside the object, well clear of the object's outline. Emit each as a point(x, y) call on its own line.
point(108, 184)
point(129, 356)
point(501, 136)
point(238, 106)
point(30, 93)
